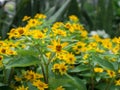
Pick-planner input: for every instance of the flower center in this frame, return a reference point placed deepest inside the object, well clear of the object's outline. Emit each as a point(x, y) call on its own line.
point(58, 48)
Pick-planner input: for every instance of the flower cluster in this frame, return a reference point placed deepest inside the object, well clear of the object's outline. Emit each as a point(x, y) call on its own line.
point(57, 56)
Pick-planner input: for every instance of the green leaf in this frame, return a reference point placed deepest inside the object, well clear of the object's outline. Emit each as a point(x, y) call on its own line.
point(68, 82)
point(76, 82)
point(79, 68)
point(31, 87)
point(23, 61)
point(30, 51)
point(60, 11)
point(103, 63)
point(2, 84)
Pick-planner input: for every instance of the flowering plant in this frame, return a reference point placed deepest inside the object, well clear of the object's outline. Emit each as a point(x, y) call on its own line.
point(58, 56)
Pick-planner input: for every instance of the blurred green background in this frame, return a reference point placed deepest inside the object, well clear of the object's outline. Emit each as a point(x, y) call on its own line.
point(93, 14)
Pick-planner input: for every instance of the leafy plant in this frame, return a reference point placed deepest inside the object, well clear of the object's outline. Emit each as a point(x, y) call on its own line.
point(60, 55)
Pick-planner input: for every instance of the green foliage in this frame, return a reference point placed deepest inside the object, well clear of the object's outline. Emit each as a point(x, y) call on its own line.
point(23, 62)
point(94, 15)
point(103, 63)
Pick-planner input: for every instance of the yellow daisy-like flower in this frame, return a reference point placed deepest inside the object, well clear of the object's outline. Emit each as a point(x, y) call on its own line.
point(40, 16)
point(70, 58)
point(55, 67)
point(62, 68)
point(117, 82)
point(73, 18)
point(40, 85)
point(57, 46)
point(99, 70)
point(84, 33)
point(111, 73)
point(3, 50)
point(62, 56)
point(18, 78)
point(37, 34)
point(22, 88)
point(59, 32)
point(25, 18)
point(34, 22)
point(60, 88)
point(32, 76)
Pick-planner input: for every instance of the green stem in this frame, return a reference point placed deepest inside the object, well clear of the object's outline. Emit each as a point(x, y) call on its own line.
point(47, 66)
point(109, 84)
point(11, 75)
point(4, 74)
point(92, 74)
point(44, 75)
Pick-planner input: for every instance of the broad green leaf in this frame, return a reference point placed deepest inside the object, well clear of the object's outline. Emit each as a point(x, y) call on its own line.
point(103, 63)
point(27, 52)
point(50, 11)
point(60, 11)
point(2, 84)
point(76, 82)
point(79, 68)
point(23, 61)
point(87, 74)
point(68, 82)
point(31, 87)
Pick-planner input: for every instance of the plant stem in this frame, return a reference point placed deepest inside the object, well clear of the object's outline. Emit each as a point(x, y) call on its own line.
point(109, 84)
point(11, 75)
point(4, 73)
point(43, 71)
point(92, 74)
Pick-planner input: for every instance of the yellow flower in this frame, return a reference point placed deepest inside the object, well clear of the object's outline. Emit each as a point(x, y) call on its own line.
point(34, 22)
point(22, 88)
point(40, 85)
point(56, 67)
point(116, 40)
point(117, 82)
point(84, 33)
point(85, 56)
point(3, 50)
point(18, 78)
point(73, 18)
point(57, 46)
point(111, 73)
point(68, 25)
point(60, 88)
point(21, 30)
point(25, 18)
point(37, 34)
point(32, 76)
point(62, 68)
point(12, 45)
point(11, 52)
point(70, 58)
point(61, 56)
point(116, 49)
point(2, 43)
point(14, 33)
point(59, 32)
point(107, 43)
point(99, 70)
point(48, 54)
point(40, 16)
point(57, 25)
